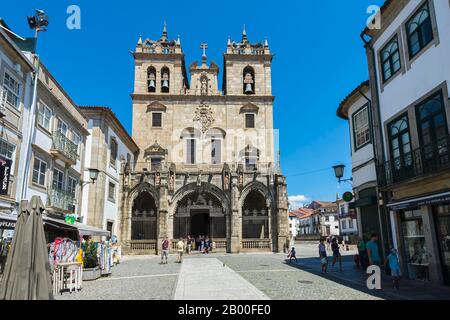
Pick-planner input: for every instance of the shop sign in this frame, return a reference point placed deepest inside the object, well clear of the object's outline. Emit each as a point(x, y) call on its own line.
point(5, 172)
point(348, 196)
point(7, 225)
point(418, 202)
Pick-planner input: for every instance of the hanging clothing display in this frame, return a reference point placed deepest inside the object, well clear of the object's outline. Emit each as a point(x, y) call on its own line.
point(105, 257)
point(62, 250)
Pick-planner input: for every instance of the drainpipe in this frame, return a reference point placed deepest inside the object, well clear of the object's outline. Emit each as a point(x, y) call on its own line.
point(378, 123)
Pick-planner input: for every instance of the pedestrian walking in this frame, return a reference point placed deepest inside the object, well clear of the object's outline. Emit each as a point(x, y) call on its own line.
point(164, 250)
point(292, 255)
point(180, 250)
point(323, 256)
point(392, 261)
point(362, 253)
point(328, 243)
point(189, 244)
point(373, 253)
point(336, 253)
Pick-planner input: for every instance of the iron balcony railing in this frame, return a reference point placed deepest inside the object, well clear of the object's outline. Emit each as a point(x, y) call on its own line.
point(426, 160)
point(62, 199)
point(62, 144)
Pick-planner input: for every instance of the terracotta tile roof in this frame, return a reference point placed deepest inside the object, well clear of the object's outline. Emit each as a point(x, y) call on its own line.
point(109, 111)
point(341, 113)
point(301, 213)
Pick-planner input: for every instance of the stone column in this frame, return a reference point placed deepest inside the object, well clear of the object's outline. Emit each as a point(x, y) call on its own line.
point(282, 213)
point(163, 212)
point(234, 222)
point(269, 215)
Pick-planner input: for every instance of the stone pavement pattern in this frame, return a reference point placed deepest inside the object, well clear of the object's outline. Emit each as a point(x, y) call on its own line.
point(268, 275)
point(205, 277)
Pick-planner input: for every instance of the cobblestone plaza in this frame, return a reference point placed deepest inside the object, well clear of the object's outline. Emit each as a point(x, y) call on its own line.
point(249, 276)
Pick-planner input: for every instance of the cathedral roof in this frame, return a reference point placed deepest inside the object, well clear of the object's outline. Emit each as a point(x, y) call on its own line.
point(162, 46)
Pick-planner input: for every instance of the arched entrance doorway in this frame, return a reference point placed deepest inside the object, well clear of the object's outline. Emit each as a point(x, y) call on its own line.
point(143, 219)
point(199, 214)
point(255, 217)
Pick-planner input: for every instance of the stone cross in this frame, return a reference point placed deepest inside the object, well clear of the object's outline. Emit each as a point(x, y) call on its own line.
point(204, 46)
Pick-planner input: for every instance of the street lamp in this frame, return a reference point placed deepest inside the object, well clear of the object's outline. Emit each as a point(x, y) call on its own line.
point(39, 21)
point(93, 176)
point(339, 173)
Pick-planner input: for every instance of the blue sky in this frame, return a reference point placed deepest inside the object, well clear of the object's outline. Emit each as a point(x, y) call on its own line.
point(319, 59)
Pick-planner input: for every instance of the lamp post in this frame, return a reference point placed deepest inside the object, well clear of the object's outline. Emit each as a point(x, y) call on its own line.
point(38, 22)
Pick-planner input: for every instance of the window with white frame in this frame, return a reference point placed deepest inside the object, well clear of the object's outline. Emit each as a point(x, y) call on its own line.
point(350, 224)
point(112, 192)
point(62, 127)
point(12, 90)
point(113, 151)
point(6, 149)
point(344, 224)
point(361, 127)
point(39, 171)
point(72, 186)
point(58, 179)
point(76, 139)
point(44, 116)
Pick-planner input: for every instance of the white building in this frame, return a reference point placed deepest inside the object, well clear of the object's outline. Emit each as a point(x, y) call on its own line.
point(356, 108)
point(54, 158)
point(108, 147)
point(307, 222)
point(326, 218)
point(16, 73)
point(347, 219)
point(410, 75)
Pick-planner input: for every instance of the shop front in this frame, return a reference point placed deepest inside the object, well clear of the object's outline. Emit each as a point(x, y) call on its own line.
point(420, 228)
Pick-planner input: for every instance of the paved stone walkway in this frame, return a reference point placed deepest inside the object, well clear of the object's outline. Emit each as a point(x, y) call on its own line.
point(209, 278)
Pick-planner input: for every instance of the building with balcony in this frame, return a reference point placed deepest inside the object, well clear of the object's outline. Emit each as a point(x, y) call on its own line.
point(207, 156)
point(348, 219)
point(108, 147)
point(410, 76)
point(356, 108)
point(326, 215)
point(55, 161)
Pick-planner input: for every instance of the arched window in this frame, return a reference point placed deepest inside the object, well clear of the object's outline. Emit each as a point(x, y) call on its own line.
point(249, 80)
point(191, 136)
point(216, 136)
point(255, 217)
point(250, 156)
point(151, 79)
point(143, 220)
point(165, 80)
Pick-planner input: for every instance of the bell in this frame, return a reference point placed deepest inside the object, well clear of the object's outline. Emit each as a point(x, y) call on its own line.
point(248, 88)
point(165, 84)
point(151, 84)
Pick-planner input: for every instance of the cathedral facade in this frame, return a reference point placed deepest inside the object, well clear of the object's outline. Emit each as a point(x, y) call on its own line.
point(207, 164)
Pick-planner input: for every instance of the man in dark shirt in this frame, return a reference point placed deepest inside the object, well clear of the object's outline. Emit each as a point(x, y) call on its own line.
point(165, 250)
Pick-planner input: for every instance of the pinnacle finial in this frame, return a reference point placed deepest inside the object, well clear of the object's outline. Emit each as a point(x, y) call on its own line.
point(164, 33)
point(266, 42)
point(229, 41)
point(140, 40)
point(244, 34)
point(178, 40)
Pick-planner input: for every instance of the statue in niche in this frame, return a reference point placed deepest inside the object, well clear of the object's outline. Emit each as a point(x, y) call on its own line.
point(204, 86)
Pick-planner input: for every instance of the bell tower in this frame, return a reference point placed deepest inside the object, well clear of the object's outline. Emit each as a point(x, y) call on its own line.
point(247, 68)
point(160, 66)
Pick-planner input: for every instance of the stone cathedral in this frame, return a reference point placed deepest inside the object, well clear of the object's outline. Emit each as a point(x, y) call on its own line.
point(207, 163)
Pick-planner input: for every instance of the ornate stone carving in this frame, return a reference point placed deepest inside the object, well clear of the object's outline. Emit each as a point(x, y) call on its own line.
point(205, 116)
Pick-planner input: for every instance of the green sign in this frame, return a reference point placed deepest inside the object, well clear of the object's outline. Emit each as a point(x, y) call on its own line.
point(348, 196)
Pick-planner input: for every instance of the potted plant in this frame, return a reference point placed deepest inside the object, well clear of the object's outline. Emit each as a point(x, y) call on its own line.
point(91, 271)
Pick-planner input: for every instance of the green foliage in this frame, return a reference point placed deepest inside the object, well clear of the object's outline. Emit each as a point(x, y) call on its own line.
point(90, 259)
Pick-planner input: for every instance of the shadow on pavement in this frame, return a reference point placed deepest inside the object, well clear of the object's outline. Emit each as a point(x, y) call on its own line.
point(354, 278)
